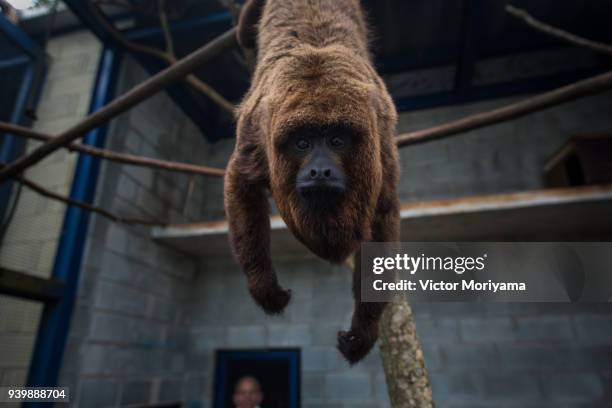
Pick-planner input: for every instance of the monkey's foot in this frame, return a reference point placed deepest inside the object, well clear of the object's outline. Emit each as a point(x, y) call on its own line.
point(272, 299)
point(355, 345)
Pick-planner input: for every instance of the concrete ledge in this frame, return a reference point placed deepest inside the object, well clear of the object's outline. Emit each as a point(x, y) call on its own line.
point(578, 213)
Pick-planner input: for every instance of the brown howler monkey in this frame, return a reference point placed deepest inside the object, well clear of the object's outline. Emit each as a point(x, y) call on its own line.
point(316, 129)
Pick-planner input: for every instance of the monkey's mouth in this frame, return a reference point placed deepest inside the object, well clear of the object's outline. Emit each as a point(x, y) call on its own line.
point(320, 188)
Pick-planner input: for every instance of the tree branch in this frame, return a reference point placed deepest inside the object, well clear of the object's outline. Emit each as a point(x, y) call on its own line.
point(84, 206)
point(130, 99)
point(558, 33)
point(163, 19)
point(590, 86)
point(168, 57)
point(114, 156)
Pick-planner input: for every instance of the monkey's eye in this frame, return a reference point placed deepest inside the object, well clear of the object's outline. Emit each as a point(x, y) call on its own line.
point(302, 144)
point(336, 142)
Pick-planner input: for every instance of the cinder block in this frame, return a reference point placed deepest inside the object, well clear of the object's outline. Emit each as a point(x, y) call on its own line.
point(246, 336)
point(573, 387)
point(171, 391)
point(111, 296)
point(438, 330)
point(127, 188)
point(508, 386)
point(470, 356)
point(348, 387)
point(320, 359)
point(536, 357)
point(197, 387)
point(117, 238)
point(164, 310)
point(593, 329)
point(455, 386)
point(136, 393)
point(141, 175)
point(289, 335)
point(555, 329)
point(207, 338)
point(117, 328)
point(487, 330)
point(312, 387)
point(98, 393)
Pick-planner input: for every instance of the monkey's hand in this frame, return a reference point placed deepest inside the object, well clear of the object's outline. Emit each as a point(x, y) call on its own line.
point(357, 342)
point(270, 296)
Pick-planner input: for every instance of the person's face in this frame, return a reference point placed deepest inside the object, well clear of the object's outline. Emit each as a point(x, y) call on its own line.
point(247, 394)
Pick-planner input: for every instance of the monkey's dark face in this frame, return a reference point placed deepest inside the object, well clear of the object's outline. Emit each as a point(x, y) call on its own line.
point(321, 175)
point(324, 193)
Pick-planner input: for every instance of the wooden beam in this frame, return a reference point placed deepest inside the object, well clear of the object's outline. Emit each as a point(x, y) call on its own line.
point(30, 287)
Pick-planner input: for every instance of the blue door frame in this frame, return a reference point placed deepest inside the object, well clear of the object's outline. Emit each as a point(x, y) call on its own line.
point(225, 357)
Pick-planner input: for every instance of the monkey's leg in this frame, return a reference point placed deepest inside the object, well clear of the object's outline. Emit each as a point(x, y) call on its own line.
point(247, 209)
point(356, 343)
point(359, 340)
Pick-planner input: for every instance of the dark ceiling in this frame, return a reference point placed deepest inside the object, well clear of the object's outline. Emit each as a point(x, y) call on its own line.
point(408, 35)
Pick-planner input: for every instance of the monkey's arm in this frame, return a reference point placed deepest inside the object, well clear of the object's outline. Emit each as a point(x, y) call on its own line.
point(246, 205)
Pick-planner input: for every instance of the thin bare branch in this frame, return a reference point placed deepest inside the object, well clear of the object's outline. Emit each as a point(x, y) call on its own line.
point(168, 58)
point(117, 36)
point(115, 156)
point(125, 102)
point(557, 32)
point(590, 86)
point(163, 19)
point(85, 206)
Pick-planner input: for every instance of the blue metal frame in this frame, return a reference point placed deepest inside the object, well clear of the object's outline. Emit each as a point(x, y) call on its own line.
point(82, 9)
point(14, 62)
point(224, 357)
point(55, 321)
point(11, 146)
point(19, 38)
point(179, 28)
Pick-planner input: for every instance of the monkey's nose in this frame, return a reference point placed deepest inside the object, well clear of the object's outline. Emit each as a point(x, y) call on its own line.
point(320, 174)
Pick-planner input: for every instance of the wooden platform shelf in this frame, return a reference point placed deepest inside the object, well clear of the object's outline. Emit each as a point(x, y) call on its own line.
point(580, 213)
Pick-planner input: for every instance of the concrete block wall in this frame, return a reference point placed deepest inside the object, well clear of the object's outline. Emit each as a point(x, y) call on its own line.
point(225, 317)
point(503, 158)
point(31, 239)
point(131, 327)
point(517, 355)
point(510, 355)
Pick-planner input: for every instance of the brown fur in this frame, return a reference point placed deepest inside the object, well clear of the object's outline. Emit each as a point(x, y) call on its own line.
point(313, 70)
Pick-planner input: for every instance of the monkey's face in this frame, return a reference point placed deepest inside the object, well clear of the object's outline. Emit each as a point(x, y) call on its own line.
point(320, 179)
point(323, 188)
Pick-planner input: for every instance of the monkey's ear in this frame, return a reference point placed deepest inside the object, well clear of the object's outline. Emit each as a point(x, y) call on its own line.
point(247, 23)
